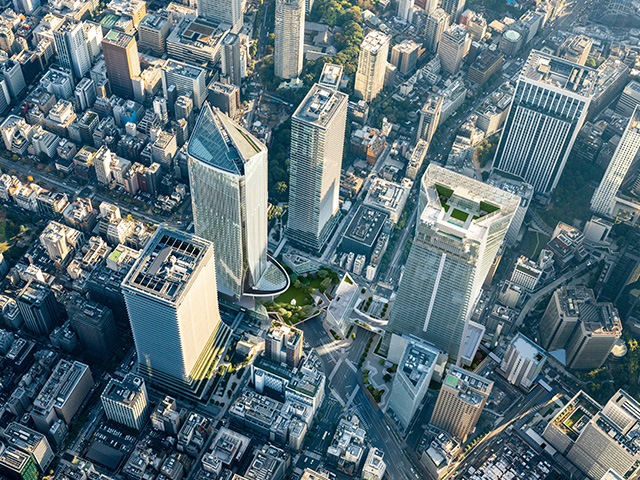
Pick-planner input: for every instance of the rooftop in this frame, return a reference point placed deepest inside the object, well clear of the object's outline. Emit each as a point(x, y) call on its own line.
point(118, 39)
point(528, 349)
point(183, 69)
point(560, 73)
point(320, 105)
point(366, 225)
point(221, 143)
point(374, 40)
point(597, 317)
point(166, 266)
point(418, 362)
point(124, 391)
point(471, 387)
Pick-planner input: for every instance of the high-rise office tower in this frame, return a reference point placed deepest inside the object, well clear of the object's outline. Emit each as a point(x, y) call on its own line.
point(125, 401)
point(586, 329)
point(404, 56)
point(461, 225)
point(71, 45)
point(172, 302)
point(405, 10)
point(231, 58)
point(39, 307)
point(453, 47)
point(522, 362)
point(430, 117)
point(228, 178)
point(430, 6)
point(372, 65)
point(453, 7)
point(222, 11)
point(412, 380)
point(289, 42)
point(283, 344)
point(121, 59)
point(609, 439)
point(460, 402)
point(547, 112)
point(621, 166)
point(317, 138)
point(187, 79)
point(437, 23)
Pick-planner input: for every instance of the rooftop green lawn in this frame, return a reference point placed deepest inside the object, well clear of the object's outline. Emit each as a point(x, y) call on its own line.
point(459, 215)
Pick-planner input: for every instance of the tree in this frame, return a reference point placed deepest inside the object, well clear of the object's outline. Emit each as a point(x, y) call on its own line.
point(591, 62)
point(386, 378)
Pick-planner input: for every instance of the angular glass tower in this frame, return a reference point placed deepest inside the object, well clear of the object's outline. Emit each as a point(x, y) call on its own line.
point(228, 178)
point(461, 225)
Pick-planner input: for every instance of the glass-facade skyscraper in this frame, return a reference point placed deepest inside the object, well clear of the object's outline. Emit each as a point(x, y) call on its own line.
point(461, 225)
point(228, 178)
point(317, 138)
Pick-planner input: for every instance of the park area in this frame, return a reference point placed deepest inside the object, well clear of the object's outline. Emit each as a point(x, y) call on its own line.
point(297, 303)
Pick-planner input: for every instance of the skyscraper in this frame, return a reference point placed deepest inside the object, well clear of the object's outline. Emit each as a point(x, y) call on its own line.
point(609, 439)
point(289, 41)
point(461, 224)
point(228, 178)
point(547, 112)
point(317, 138)
point(283, 344)
point(460, 402)
point(412, 380)
point(453, 7)
point(222, 11)
point(405, 10)
point(172, 302)
point(71, 45)
point(453, 47)
point(437, 23)
point(430, 117)
point(121, 59)
point(622, 164)
point(372, 65)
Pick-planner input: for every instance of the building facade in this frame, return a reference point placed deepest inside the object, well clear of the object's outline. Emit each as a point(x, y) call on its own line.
point(462, 223)
point(372, 65)
point(289, 38)
point(317, 139)
point(228, 177)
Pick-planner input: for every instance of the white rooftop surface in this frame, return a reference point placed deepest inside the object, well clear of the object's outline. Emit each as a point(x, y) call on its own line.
point(475, 332)
point(527, 348)
point(343, 296)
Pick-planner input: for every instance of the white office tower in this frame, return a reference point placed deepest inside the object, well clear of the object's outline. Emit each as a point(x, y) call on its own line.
point(405, 10)
point(71, 45)
point(621, 167)
point(372, 65)
point(412, 380)
point(453, 47)
point(547, 112)
point(223, 11)
point(126, 402)
point(172, 302)
point(437, 23)
point(317, 138)
point(228, 178)
point(289, 42)
point(461, 225)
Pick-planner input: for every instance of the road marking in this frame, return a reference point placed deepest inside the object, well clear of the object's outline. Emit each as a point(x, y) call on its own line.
point(351, 398)
point(351, 365)
point(335, 369)
point(333, 392)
